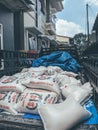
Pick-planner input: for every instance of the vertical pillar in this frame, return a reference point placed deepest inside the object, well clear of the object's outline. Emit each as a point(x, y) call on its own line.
point(19, 30)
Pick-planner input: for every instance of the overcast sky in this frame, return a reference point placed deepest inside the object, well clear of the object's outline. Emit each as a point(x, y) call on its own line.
point(72, 19)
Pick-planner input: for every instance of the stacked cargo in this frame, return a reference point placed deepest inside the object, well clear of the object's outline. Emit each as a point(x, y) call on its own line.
point(56, 95)
point(52, 90)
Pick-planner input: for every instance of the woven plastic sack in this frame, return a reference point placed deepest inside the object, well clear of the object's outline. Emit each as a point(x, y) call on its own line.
point(42, 82)
point(74, 81)
point(37, 71)
point(62, 116)
point(11, 83)
point(70, 74)
point(78, 93)
point(51, 70)
point(62, 80)
point(8, 100)
point(88, 87)
point(31, 98)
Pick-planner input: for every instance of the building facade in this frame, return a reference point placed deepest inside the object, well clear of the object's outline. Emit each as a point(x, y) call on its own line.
point(24, 24)
point(64, 40)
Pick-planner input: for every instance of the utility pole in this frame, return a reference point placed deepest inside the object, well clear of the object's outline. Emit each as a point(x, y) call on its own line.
point(36, 13)
point(87, 23)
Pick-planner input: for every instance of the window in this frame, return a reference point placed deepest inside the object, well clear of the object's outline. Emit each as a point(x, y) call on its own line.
point(32, 43)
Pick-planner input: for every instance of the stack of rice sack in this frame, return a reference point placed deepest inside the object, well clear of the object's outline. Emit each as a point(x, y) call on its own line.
point(71, 111)
point(24, 91)
point(40, 90)
point(10, 89)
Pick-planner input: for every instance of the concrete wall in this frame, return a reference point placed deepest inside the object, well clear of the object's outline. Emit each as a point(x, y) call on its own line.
point(6, 19)
point(29, 19)
point(41, 18)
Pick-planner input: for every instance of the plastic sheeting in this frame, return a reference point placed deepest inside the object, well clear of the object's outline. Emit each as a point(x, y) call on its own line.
point(94, 118)
point(61, 59)
point(31, 116)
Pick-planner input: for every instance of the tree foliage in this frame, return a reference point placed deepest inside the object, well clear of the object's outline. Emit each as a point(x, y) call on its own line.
point(80, 39)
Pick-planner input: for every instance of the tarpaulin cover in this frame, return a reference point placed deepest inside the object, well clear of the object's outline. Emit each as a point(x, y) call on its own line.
point(31, 116)
point(61, 59)
point(91, 107)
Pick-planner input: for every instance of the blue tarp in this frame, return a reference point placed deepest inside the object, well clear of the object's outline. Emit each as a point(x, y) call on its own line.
point(61, 59)
point(91, 107)
point(31, 116)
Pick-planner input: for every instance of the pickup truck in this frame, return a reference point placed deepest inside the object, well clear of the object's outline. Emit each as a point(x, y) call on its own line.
point(12, 62)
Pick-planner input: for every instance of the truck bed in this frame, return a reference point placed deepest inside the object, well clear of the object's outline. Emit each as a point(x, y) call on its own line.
point(10, 122)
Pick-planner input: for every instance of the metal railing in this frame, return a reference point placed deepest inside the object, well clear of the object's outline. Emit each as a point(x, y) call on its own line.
point(90, 64)
point(14, 61)
point(70, 49)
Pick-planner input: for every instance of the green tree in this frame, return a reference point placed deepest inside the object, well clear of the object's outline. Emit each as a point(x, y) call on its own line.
point(79, 39)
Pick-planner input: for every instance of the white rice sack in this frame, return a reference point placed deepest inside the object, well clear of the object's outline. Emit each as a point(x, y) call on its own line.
point(31, 98)
point(37, 71)
point(88, 87)
point(79, 94)
point(74, 81)
point(50, 71)
point(62, 116)
point(62, 80)
point(32, 72)
point(70, 89)
point(25, 70)
point(17, 75)
point(8, 100)
point(53, 69)
point(42, 82)
point(70, 74)
point(11, 83)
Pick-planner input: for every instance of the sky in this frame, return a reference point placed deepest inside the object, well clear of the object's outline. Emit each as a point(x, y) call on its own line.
point(72, 19)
